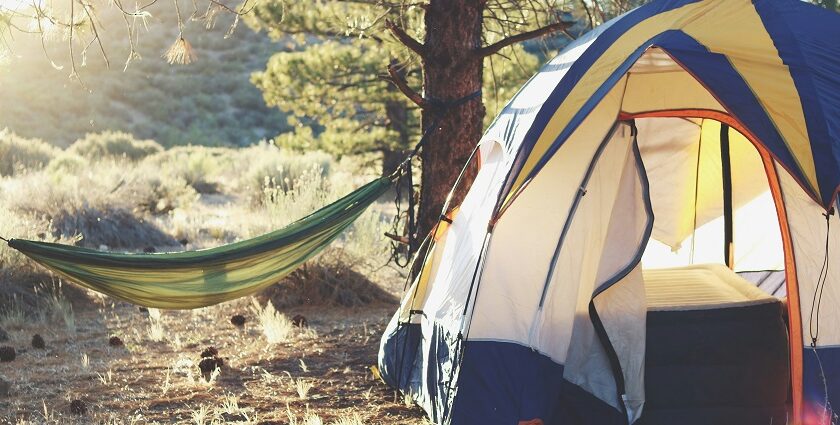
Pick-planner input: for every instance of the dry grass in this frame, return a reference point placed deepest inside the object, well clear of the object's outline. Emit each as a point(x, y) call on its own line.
point(273, 372)
point(276, 327)
point(156, 332)
point(148, 381)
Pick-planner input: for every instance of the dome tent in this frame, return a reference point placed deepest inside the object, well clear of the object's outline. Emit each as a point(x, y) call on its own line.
point(695, 131)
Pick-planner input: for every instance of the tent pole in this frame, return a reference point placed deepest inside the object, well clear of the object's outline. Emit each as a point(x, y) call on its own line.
point(726, 177)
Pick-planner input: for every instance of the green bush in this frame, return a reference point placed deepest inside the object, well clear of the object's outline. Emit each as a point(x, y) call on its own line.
point(200, 167)
point(66, 163)
point(114, 144)
point(271, 167)
point(18, 154)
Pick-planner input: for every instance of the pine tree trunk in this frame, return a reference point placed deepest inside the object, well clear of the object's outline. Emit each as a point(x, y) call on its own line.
point(451, 71)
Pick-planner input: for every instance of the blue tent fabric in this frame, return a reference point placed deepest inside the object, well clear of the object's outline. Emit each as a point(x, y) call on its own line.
point(806, 38)
point(821, 379)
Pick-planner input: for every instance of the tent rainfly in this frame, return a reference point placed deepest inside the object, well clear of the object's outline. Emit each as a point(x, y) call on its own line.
point(648, 237)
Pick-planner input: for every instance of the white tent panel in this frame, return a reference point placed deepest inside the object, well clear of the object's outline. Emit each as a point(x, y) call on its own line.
point(757, 235)
point(622, 307)
point(449, 287)
point(623, 310)
point(682, 158)
point(808, 235)
point(670, 151)
point(511, 283)
point(574, 277)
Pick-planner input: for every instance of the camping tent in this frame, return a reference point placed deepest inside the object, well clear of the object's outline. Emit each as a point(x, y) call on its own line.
point(648, 236)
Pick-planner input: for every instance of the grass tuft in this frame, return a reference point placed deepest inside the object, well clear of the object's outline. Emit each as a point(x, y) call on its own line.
point(353, 419)
point(155, 331)
point(302, 387)
point(275, 326)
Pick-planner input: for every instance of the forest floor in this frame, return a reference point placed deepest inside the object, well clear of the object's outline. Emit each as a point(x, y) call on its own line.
point(320, 375)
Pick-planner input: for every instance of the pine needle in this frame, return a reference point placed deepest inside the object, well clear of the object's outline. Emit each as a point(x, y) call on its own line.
point(181, 52)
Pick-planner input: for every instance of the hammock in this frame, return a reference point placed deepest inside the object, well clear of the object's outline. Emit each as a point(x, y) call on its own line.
point(193, 279)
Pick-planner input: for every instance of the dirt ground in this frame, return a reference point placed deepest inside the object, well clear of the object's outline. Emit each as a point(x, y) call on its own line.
point(154, 377)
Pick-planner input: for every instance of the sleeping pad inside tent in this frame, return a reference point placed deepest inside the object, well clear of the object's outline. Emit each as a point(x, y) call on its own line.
point(716, 349)
point(648, 237)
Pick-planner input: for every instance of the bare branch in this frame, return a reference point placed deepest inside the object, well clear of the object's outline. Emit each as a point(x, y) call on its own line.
point(588, 14)
point(242, 9)
point(499, 45)
point(73, 73)
point(129, 26)
point(399, 81)
point(98, 39)
point(404, 38)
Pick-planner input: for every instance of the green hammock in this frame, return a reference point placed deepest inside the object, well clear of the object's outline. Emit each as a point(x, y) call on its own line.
point(193, 279)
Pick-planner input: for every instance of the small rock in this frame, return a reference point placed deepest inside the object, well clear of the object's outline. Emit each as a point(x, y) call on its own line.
point(149, 250)
point(5, 387)
point(78, 407)
point(115, 341)
point(4, 336)
point(209, 352)
point(299, 321)
point(238, 320)
point(7, 354)
point(38, 342)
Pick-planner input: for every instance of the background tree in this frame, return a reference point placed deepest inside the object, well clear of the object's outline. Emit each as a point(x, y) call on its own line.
point(336, 85)
point(337, 102)
point(334, 82)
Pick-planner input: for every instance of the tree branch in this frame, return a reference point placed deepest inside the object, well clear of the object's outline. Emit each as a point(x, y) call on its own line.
point(499, 45)
point(399, 81)
point(404, 38)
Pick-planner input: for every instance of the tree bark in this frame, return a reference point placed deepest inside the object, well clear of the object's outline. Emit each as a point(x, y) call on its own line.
point(452, 71)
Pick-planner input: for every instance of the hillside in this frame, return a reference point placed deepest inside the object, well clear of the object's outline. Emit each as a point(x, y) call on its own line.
point(209, 102)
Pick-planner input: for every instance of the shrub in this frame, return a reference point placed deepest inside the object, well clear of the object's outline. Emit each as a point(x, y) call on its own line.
point(201, 168)
point(13, 263)
point(116, 228)
point(96, 206)
point(328, 280)
point(274, 168)
point(114, 144)
point(18, 154)
point(66, 163)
